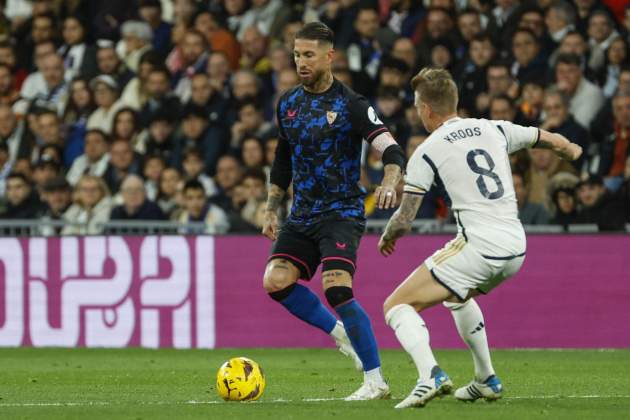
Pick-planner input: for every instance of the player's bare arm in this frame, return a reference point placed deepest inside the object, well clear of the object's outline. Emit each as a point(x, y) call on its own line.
point(274, 201)
point(386, 192)
point(560, 145)
point(400, 223)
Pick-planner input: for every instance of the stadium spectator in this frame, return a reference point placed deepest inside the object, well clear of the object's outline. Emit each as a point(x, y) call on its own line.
point(531, 102)
point(586, 97)
point(251, 121)
point(194, 49)
point(137, 38)
point(135, 92)
point(529, 213)
point(529, 63)
point(255, 188)
point(8, 58)
point(51, 89)
point(197, 132)
point(560, 20)
point(254, 53)
point(126, 126)
point(45, 169)
point(472, 72)
point(500, 82)
point(5, 169)
point(135, 204)
point(253, 153)
point(562, 189)
point(502, 108)
point(106, 98)
point(94, 161)
point(219, 72)
point(364, 53)
point(57, 197)
point(22, 200)
point(197, 209)
point(160, 138)
point(543, 165)
point(617, 56)
point(599, 206)
point(80, 106)
point(601, 32)
point(559, 120)
point(623, 194)
point(614, 146)
point(403, 49)
point(262, 14)
point(194, 168)
point(15, 134)
point(9, 94)
point(151, 171)
point(151, 13)
point(469, 25)
point(220, 39)
point(205, 95)
point(49, 132)
point(110, 64)
point(122, 162)
point(168, 196)
point(91, 207)
point(79, 58)
point(159, 95)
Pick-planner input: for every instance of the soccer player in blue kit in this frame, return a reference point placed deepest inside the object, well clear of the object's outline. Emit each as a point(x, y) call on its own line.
point(322, 124)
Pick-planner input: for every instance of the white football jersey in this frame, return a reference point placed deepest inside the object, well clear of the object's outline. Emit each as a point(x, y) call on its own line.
point(469, 158)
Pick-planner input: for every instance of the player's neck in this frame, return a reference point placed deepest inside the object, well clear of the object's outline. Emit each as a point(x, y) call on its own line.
point(322, 85)
point(441, 120)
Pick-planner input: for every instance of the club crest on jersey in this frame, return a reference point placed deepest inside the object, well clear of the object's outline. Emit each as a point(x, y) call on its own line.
point(331, 117)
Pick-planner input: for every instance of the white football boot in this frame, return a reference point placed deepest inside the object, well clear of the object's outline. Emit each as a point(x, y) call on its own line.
point(490, 390)
point(427, 389)
point(370, 391)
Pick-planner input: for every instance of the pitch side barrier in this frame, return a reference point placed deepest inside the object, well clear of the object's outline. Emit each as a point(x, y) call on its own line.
point(201, 291)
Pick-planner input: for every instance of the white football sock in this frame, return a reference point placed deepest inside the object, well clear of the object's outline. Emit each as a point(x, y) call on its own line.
point(471, 327)
point(413, 336)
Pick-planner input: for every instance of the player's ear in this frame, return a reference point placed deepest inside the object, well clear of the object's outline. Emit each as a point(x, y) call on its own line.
point(330, 55)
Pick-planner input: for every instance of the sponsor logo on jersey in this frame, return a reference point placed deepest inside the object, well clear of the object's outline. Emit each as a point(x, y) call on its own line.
point(291, 113)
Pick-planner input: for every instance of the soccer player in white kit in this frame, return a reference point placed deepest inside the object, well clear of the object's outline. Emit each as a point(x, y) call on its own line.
point(469, 158)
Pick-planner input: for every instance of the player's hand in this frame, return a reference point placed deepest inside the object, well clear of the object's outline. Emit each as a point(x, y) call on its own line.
point(270, 225)
point(386, 247)
point(574, 152)
point(385, 197)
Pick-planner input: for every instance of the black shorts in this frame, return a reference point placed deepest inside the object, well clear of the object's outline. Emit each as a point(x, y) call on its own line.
point(334, 243)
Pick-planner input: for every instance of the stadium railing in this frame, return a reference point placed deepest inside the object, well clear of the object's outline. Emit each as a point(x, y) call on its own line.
point(48, 227)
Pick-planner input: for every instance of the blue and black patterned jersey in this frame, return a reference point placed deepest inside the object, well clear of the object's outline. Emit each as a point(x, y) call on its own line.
point(319, 148)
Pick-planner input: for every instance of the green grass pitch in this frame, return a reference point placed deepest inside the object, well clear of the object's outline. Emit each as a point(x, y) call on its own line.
point(179, 384)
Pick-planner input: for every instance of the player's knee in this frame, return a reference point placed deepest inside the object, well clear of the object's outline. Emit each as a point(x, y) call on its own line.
point(278, 276)
point(338, 295)
point(389, 303)
point(454, 306)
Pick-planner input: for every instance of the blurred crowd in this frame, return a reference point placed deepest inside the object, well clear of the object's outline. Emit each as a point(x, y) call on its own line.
point(164, 109)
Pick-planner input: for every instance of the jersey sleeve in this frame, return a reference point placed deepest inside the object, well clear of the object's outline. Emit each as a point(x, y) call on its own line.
point(367, 124)
point(517, 136)
point(420, 173)
point(281, 168)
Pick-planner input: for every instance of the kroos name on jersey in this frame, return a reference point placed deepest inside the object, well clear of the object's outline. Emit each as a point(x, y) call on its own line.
point(462, 134)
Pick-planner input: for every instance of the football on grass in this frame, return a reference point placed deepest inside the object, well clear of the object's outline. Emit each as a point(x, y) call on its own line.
point(240, 379)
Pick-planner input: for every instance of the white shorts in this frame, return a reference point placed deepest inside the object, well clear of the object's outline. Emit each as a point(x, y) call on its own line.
point(461, 268)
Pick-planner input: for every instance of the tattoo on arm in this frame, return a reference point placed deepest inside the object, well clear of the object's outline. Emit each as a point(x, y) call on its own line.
point(274, 199)
point(400, 223)
point(392, 175)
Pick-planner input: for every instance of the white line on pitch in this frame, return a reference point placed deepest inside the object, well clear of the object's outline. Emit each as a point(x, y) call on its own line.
point(276, 401)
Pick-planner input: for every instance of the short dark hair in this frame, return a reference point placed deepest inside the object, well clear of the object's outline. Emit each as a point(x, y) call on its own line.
point(316, 31)
point(100, 132)
point(194, 184)
point(502, 97)
point(568, 58)
point(255, 173)
point(20, 176)
point(192, 151)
